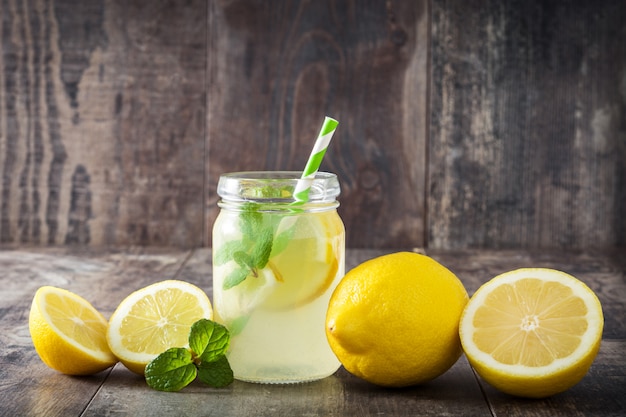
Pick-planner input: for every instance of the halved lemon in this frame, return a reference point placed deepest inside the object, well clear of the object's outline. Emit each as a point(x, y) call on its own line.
point(68, 333)
point(532, 332)
point(154, 319)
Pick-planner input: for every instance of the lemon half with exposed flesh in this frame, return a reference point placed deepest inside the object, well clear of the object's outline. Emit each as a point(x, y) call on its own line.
point(532, 332)
point(153, 319)
point(68, 333)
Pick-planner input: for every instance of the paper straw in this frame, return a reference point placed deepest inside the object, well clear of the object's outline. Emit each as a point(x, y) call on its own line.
point(301, 193)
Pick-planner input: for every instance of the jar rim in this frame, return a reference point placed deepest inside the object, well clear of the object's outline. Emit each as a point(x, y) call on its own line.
point(275, 186)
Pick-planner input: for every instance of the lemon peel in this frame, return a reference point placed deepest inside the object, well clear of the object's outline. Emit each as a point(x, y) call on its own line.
point(393, 320)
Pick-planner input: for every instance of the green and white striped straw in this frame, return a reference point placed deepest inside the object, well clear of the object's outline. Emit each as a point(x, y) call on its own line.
point(301, 193)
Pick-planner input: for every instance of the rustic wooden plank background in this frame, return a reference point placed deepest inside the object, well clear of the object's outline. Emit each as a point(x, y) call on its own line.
point(103, 109)
point(463, 124)
point(528, 144)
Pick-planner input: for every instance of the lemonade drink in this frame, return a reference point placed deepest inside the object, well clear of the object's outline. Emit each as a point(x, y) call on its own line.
point(275, 265)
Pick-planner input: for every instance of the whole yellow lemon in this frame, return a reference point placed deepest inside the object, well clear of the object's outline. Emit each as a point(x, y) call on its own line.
point(394, 320)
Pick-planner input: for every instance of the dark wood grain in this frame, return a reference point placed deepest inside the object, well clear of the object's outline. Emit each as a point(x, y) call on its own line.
point(277, 68)
point(462, 124)
point(527, 124)
point(102, 115)
point(105, 277)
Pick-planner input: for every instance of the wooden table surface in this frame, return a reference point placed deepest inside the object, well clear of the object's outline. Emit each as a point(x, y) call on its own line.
point(105, 277)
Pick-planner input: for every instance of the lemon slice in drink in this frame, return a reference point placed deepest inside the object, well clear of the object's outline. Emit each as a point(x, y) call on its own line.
point(308, 265)
point(532, 332)
point(69, 334)
point(154, 319)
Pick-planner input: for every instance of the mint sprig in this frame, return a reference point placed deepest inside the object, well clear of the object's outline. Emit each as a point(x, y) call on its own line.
point(206, 359)
point(253, 251)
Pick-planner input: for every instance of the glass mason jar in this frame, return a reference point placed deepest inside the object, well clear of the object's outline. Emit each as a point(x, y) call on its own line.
point(275, 265)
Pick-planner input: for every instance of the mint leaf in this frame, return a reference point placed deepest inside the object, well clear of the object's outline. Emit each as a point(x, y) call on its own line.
point(172, 370)
point(250, 221)
point(257, 245)
point(243, 259)
point(217, 374)
point(262, 249)
point(235, 277)
point(282, 240)
point(225, 252)
point(208, 340)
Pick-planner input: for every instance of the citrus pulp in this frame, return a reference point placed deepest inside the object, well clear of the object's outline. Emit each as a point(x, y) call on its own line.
point(532, 332)
point(153, 319)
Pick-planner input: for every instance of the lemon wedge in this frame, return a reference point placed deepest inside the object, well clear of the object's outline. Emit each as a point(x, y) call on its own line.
point(68, 333)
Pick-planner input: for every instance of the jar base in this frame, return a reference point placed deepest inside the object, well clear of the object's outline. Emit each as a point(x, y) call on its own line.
point(282, 376)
